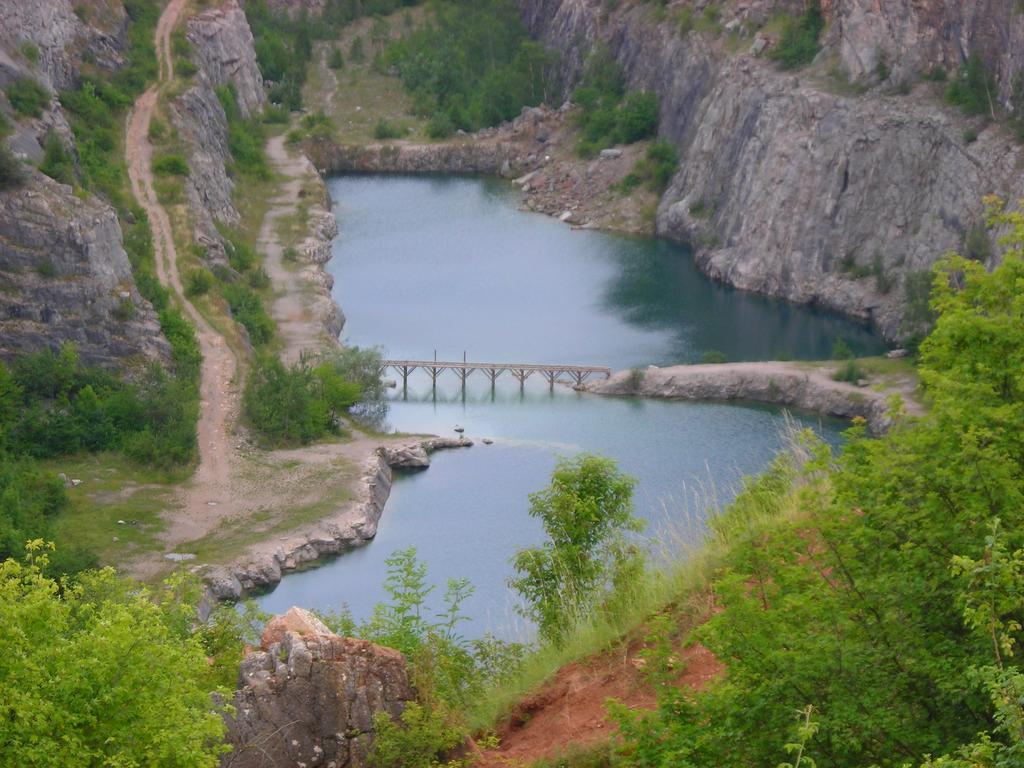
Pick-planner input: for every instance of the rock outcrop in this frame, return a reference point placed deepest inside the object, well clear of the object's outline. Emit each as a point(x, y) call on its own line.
point(309, 697)
point(65, 277)
point(417, 455)
point(226, 55)
point(55, 38)
point(222, 49)
point(793, 385)
point(796, 185)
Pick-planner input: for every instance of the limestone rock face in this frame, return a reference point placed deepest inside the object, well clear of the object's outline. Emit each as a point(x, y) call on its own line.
point(792, 190)
point(64, 276)
point(916, 36)
point(202, 124)
point(62, 40)
point(308, 697)
point(223, 45)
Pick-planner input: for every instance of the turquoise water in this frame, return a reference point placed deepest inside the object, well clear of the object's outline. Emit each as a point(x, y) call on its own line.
point(425, 264)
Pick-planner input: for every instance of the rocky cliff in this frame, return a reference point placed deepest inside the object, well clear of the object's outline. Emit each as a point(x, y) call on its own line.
point(64, 276)
point(222, 49)
point(58, 38)
point(805, 185)
point(308, 697)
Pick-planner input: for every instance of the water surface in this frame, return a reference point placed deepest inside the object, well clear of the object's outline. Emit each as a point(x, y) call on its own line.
point(425, 264)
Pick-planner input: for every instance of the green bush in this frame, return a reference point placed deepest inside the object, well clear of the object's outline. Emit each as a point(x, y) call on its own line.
point(385, 129)
point(637, 118)
point(198, 283)
point(245, 137)
point(66, 407)
point(973, 89)
point(12, 174)
point(337, 59)
point(799, 42)
point(608, 116)
point(654, 170)
point(248, 310)
point(67, 641)
point(440, 126)
point(57, 161)
point(281, 403)
point(170, 165)
point(27, 97)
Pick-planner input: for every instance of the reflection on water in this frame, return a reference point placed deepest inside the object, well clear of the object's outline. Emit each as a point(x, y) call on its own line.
point(450, 265)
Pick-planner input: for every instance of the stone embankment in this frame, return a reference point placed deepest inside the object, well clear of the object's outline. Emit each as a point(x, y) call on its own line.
point(536, 150)
point(352, 526)
point(308, 697)
point(792, 385)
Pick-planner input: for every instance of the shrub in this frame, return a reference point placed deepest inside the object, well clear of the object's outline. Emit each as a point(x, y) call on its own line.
point(282, 405)
point(357, 51)
point(385, 129)
point(248, 311)
point(973, 89)
point(198, 283)
point(978, 244)
point(337, 59)
point(27, 97)
point(170, 165)
point(57, 161)
point(12, 174)
point(440, 126)
point(259, 279)
point(798, 44)
point(713, 356)
point(637, 118)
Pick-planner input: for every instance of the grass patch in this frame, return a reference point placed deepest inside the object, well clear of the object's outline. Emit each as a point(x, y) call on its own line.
point(114, 488)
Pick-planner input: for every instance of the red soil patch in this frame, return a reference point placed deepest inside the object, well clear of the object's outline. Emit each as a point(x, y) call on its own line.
point(570, 709)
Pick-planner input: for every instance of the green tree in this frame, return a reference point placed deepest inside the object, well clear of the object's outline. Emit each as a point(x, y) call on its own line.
point(586, 512)
point(98, 673)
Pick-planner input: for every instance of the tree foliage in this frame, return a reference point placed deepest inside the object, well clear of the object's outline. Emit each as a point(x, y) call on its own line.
point(100, 672)
point(585, 511)
point(854, 601)
point(473, 65)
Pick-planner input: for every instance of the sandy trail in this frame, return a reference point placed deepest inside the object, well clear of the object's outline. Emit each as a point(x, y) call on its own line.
point(236, 486)
point(296, 320)
point(216, 389)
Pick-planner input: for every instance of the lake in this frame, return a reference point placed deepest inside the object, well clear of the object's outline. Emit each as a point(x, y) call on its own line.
point(427, 265)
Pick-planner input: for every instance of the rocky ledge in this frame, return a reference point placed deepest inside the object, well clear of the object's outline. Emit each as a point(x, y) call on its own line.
point(351, 527)
point(792, 385)
point(309, 697)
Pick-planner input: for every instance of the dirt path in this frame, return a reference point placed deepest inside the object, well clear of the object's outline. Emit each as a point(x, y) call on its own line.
point(570, 711)
point(298, 323)
point(217, 395)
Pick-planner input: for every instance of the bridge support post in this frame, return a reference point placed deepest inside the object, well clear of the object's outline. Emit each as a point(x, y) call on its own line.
point(551, 376)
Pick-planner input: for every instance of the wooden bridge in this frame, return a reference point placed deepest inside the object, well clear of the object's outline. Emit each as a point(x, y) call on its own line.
point(519, 371)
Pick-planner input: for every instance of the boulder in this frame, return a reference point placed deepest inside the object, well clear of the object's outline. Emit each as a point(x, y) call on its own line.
point(406, 457)
point(309, 697)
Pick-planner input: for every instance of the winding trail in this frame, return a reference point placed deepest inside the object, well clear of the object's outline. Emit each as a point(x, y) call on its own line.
point(219, 368)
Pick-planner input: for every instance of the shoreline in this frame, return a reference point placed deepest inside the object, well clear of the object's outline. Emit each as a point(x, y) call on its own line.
point(804, 386)
point(352, 526)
